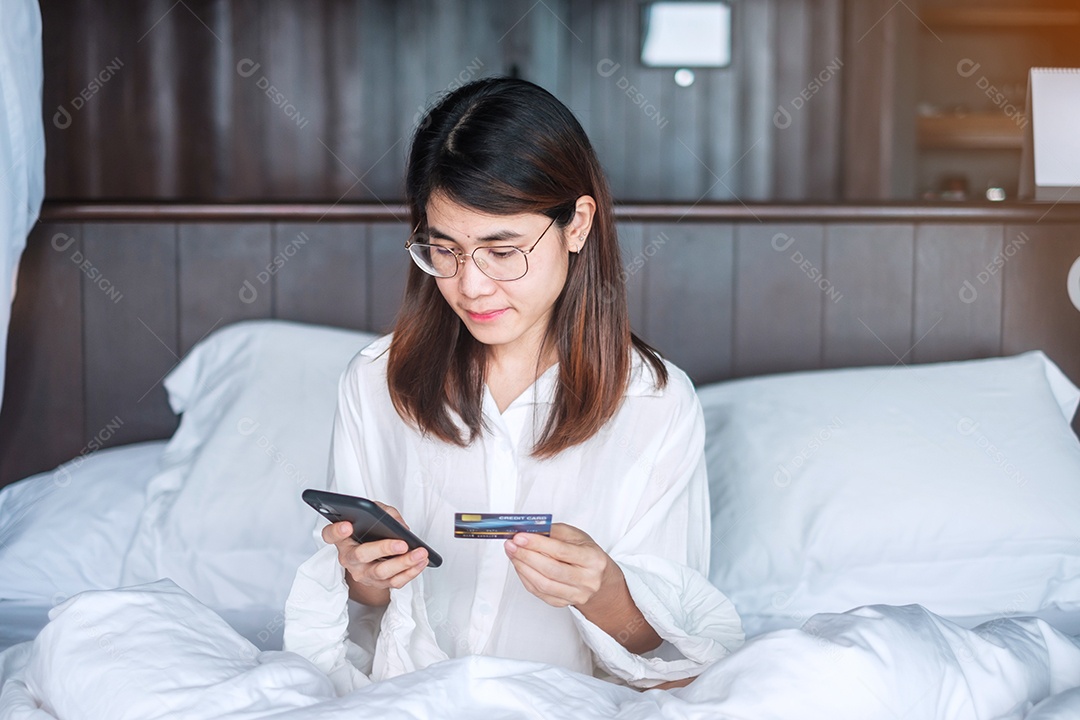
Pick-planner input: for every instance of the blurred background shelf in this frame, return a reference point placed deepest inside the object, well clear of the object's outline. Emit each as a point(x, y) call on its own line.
point(978, 131)
point(960, 88)
point(982, 18)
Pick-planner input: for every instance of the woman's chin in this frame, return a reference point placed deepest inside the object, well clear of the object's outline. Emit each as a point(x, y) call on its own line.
point(499, 332)
point(489, 335)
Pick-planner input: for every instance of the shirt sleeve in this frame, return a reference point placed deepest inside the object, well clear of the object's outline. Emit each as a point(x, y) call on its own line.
point(664, 556)
point(321, 624)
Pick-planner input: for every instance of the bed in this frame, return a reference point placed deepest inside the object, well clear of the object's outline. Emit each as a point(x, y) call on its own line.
point(899, 541)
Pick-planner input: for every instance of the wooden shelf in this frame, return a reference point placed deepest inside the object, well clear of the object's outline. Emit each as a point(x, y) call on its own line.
point(54, 211)
point(999, 19)
point(980, 131)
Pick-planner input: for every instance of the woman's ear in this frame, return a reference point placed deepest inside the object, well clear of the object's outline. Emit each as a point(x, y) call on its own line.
point(577, 232)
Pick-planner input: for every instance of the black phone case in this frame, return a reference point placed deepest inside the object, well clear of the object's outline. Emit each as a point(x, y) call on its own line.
point(369, 521)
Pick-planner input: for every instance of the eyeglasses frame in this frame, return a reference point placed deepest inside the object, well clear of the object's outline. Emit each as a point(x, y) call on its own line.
point(460, 256)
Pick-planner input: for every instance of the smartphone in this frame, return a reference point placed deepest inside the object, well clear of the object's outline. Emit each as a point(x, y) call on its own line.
point(370, 522)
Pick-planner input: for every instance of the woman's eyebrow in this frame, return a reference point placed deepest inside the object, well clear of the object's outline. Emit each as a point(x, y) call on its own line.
point(501, 235)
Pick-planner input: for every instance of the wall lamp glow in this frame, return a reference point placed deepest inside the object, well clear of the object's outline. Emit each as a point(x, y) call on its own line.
point(685, 35)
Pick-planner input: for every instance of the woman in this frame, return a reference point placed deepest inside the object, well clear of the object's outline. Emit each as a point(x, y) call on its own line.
point(512, 384)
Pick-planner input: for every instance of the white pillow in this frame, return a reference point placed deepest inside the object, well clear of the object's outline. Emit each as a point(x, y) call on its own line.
point(955, 486)
point(224, 517)
point(67, 530)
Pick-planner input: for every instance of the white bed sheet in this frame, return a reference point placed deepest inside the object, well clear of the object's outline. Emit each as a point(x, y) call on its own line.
point(263, 626)
point(1066, 622)
point(166, 656)
point(22, 620)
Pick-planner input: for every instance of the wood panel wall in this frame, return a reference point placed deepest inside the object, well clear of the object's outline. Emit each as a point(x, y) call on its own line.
point(226, 100)
point(106, 308)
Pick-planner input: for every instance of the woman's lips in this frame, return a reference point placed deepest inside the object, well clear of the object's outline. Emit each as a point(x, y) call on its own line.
point(485, 316)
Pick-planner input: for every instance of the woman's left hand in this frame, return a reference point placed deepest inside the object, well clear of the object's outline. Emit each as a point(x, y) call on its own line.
point(567, 568)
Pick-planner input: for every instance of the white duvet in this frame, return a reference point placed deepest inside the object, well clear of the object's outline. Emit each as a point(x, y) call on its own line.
point(153, 651)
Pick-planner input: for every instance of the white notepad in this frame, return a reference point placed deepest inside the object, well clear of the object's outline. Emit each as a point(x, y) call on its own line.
point(1051, 161)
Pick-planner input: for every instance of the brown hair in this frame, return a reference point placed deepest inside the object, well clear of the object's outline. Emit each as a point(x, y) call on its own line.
point(507, 146)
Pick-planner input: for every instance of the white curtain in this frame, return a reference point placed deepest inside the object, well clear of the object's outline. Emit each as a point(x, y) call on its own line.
point(22, 146)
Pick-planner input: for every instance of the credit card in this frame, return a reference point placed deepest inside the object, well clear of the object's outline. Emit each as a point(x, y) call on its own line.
point(496, 526)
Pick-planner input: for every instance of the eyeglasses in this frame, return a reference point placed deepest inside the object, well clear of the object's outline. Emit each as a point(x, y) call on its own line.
point(503, 262)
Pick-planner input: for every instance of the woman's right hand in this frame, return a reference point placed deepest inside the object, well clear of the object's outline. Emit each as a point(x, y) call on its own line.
point(372, 568)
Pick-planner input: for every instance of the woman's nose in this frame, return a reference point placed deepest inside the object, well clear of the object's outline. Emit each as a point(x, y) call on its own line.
point(472, 282)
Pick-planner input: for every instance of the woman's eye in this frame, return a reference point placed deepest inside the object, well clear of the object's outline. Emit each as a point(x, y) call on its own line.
point(503, 254)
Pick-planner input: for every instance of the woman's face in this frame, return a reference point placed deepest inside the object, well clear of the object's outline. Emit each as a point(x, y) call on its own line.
point(509, 315)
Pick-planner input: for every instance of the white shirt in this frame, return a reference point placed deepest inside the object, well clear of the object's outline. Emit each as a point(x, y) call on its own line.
point(638, 488)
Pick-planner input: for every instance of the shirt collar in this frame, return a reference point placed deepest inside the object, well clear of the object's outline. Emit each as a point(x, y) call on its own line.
point(377, 346)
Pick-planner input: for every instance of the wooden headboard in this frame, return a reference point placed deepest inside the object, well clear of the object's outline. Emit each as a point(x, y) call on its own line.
point(111, 296)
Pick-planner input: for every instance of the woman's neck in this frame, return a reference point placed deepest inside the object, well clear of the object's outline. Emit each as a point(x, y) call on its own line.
point(509, 374)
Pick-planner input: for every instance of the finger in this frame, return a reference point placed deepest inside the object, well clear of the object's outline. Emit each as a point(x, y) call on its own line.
point(393, 512)
point(522, 572)
point(548, 566)
point(378, 550)
point(395, 573)
point(569, 533)
point(408, 575)
point(548, 590)
point(388, 570)
point(336, 532)
point(525, 582)
point(556, 548)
